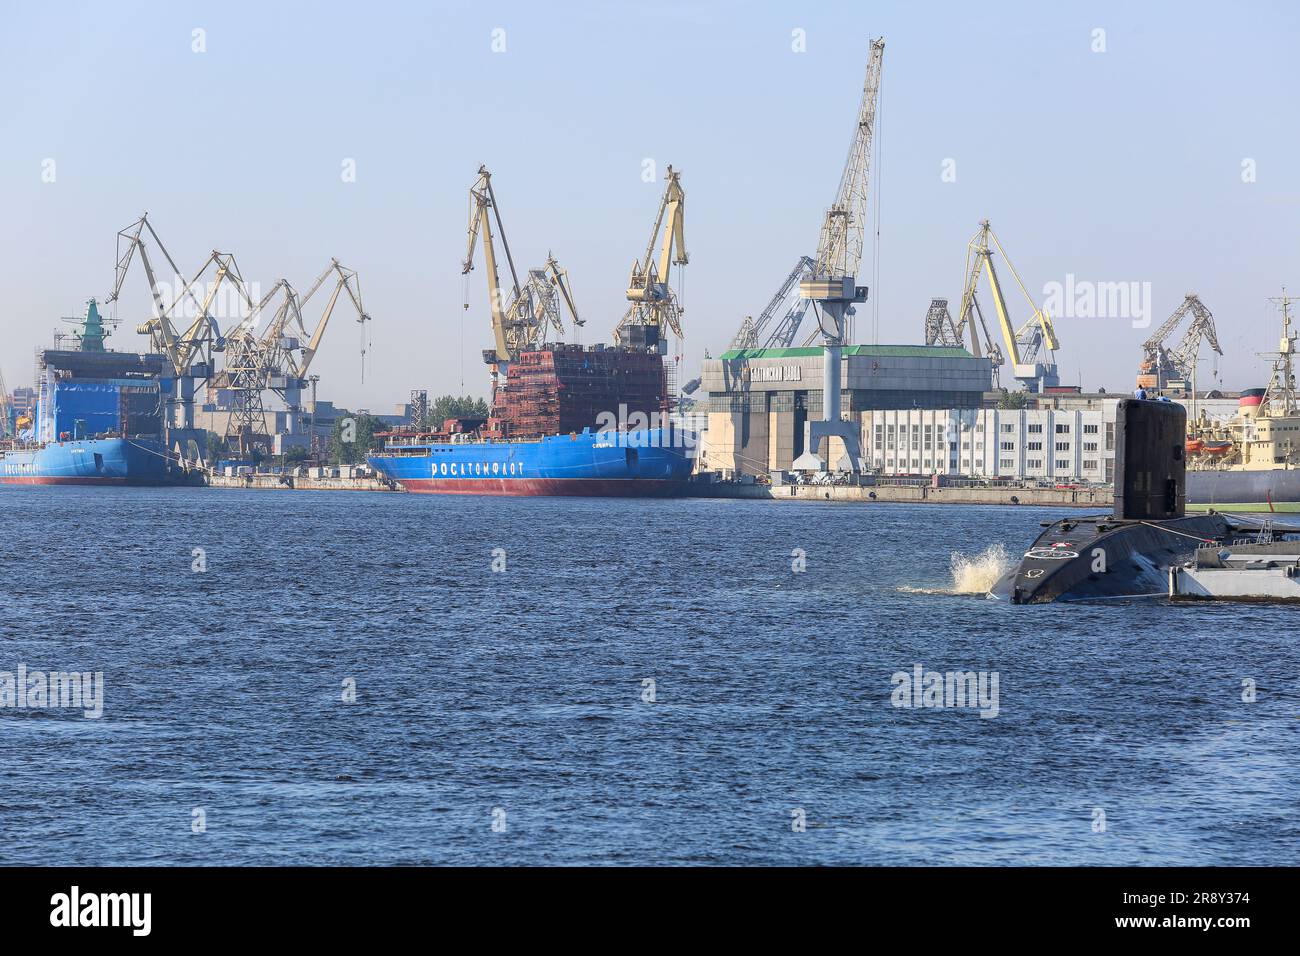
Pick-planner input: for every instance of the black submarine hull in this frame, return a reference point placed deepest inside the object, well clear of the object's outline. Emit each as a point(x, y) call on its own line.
point(1102, 557)
point(1125, 554)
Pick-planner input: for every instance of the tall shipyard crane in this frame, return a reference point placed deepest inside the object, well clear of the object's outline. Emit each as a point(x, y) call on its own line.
point(940, 329)
point(6, 408)
point(1029, 347)
point(279, 359)
point(788, 304)
point(520, 320)
point(830, 284)
point(1161, 366)
point(654, 305)
point(190, 352)
point(508, 333)
point(540, 298)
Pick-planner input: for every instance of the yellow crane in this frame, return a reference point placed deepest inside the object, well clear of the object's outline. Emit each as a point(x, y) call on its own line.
point(508, 337)
point(654, 305)
point(1025, 346)
point(6, 407)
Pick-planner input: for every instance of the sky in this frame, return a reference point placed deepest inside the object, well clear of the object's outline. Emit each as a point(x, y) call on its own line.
point(1151, 143)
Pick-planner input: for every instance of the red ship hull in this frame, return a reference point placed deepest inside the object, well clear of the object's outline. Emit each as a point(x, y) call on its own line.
point(579, 487)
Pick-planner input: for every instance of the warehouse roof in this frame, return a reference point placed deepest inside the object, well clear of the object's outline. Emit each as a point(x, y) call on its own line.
point(874, 351)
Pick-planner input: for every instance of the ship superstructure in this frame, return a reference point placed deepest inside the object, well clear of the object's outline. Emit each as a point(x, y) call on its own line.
point(1254, 458)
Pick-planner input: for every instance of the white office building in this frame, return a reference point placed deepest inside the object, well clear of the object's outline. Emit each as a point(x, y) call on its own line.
point(1076, 444)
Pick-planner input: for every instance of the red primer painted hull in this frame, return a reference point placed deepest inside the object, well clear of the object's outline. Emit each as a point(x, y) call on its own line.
point(600, 487)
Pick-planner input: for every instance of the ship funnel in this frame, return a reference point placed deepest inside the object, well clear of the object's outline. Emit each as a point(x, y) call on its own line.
point(1150, 464)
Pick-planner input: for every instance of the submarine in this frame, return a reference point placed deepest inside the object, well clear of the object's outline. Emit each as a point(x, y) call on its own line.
point(1127, 554)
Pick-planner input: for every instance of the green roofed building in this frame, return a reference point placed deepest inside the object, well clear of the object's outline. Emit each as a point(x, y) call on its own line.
point(758, 400)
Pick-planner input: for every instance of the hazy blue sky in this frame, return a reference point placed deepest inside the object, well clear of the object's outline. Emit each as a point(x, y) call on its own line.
point(1123, 165)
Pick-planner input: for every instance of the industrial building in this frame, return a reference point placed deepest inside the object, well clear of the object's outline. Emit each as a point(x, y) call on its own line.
point(758, 400)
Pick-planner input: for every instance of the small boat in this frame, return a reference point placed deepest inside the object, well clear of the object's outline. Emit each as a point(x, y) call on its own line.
point(1217, 447)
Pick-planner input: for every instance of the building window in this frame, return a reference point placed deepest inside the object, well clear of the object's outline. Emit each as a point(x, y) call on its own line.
point(1089, 465)
point(1062, 446)
point(1008, 429)
point(880, 437)
point(1062, 465)
point(1008, 446)
point(1034, 463)
point(1035, 429)
point(1090, 446)
point(1110, 436)
point(1035, 446)
point(1007, 464)
point(1062, 429)
point(1090, 429)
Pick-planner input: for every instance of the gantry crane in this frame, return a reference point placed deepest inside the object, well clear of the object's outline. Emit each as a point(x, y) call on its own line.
point(830, 284)
point(1161, 366)
point(787, 303)
point(654, 305)
point(1025, 346)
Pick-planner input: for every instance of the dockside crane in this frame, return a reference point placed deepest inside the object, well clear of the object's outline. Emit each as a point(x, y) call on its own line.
point(788, 304)
point(1160, 366)
point(513, 329)
point(190, 352)
point(6, 408)
point(830, 284)
point(280, 357)
point(542, 293)
point(940, 329)
point(654, 305)
point(1029, 347)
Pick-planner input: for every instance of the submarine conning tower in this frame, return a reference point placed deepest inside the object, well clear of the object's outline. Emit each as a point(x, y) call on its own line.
point(1150, 460)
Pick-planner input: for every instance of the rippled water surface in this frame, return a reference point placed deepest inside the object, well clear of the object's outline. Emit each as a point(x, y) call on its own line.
point(517, 697)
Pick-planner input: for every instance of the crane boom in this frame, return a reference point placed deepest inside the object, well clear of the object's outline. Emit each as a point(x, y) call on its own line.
point(751, 330)
point(654, 304)
point(1160, 365)
point(482, 204)
point(839, 250)
point(1024, 345)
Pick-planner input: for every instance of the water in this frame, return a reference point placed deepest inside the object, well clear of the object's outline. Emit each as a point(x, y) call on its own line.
point(522, 691)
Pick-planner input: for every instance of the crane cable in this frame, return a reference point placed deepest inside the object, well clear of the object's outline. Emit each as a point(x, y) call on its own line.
point(880, 178)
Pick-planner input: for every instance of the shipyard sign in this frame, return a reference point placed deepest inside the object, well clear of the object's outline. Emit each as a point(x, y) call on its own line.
point(775, 373)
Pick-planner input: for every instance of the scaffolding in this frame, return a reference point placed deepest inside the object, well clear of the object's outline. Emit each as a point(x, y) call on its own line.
point(567, 388)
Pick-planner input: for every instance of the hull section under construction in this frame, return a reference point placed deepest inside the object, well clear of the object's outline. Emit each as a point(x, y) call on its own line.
point(651, 463)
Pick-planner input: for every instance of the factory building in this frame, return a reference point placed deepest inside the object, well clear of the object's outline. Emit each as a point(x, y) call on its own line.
point(1053, 444)
point(758, 400)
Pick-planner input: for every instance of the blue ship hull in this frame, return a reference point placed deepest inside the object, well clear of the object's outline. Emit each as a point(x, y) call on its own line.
point(649, 463)
point(91, 461)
